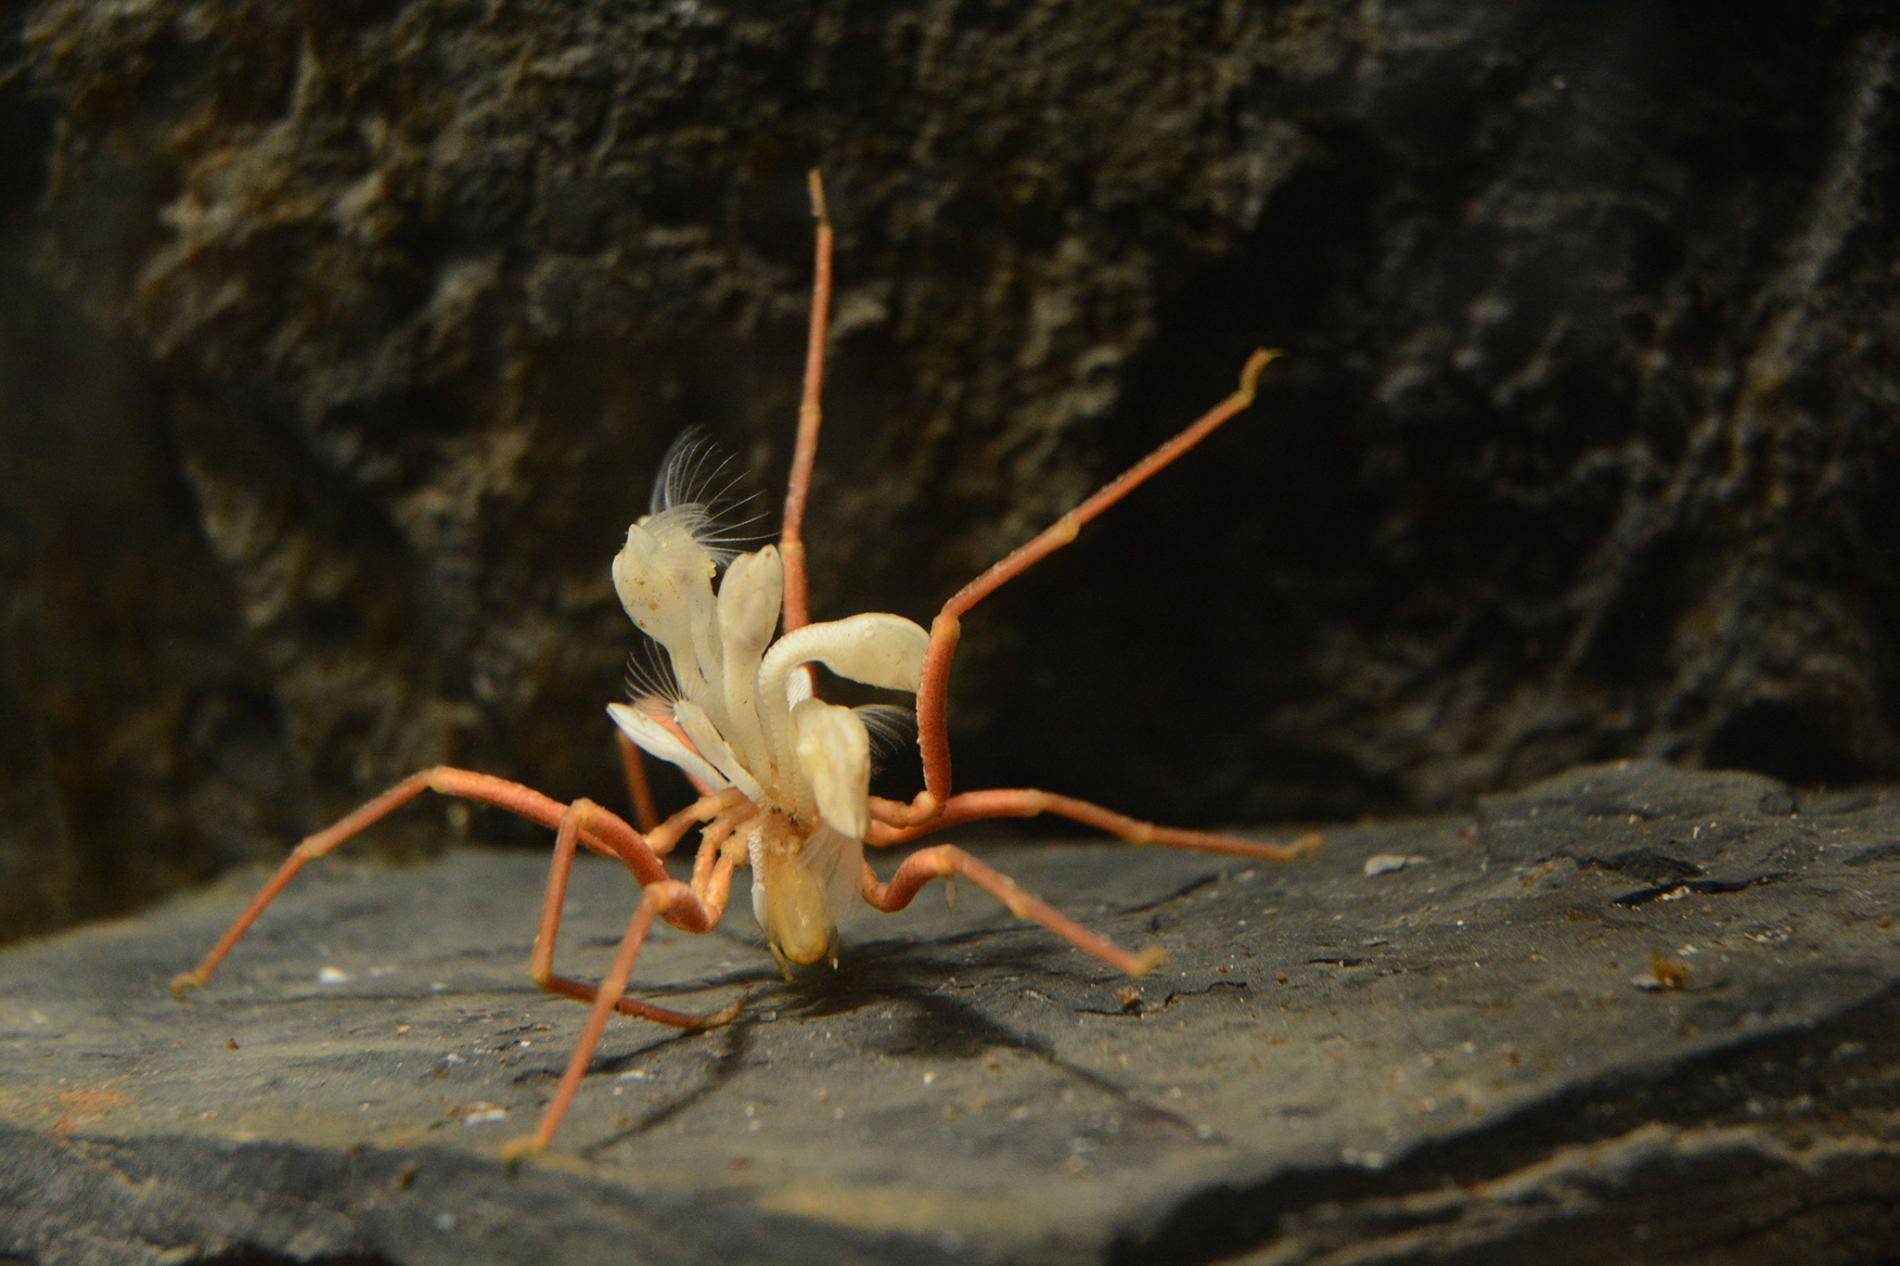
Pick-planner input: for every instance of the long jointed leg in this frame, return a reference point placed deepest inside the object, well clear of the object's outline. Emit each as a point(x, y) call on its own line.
point(791, 539)
point(678, 904)
point(946, 861)
point(604, 833)
point(900, 823)
point(933, 734)
point(541, 960)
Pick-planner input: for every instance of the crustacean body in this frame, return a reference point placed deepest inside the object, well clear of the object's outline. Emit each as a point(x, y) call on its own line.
point(783, 776)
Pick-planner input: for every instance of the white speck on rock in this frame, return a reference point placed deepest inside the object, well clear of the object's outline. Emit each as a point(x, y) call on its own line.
point(1385, 863)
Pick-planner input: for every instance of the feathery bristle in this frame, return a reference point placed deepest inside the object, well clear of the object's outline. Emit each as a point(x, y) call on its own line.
point(893, 730)
point(699, 486)
point(651, 684)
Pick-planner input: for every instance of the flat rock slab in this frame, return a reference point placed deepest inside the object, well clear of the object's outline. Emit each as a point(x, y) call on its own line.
point(1629, 1014)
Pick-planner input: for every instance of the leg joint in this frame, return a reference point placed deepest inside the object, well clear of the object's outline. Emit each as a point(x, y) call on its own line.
point(668, 895)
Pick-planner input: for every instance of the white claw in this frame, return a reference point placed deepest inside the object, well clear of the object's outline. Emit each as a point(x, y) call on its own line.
point(876, 648)
point(834, 754)
point(658, 741)
point(748, 616)
point(713, 746)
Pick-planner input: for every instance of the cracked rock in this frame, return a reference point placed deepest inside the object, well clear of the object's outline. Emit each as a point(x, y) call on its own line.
point(1441, 1063)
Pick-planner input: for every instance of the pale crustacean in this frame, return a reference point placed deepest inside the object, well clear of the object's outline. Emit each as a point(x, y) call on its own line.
point(783, 776)
point(736, 713)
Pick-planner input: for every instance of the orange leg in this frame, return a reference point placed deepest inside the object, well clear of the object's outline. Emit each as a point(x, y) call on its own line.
point(541, 960)
point(678, 905)
point(900, 823)
point(946, 861)
point(791, 540)
point(639, 791)
point(610, 836)
point(716, 887)
point(933, 734)
point(712, 853)
point(663, 838)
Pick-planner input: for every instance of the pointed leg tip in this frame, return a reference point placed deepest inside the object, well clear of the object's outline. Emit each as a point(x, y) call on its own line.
point(815, 189)
point(724, 1016)
point(1251, 371)
point(522, 1148)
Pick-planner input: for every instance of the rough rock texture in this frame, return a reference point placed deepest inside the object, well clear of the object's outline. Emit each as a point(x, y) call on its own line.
point(342, 338)
point(1627, 1015)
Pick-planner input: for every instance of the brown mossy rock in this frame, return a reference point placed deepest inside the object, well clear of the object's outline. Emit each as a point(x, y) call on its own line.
point(343, 338)
point(1628, 1015)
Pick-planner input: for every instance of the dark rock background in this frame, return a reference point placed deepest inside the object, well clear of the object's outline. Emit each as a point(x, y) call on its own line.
point(341, 339)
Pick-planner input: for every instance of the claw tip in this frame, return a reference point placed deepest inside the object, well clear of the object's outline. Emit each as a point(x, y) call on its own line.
point(815, 185)
point(1250, 372)
point(516, 1150)
point(725, 1015)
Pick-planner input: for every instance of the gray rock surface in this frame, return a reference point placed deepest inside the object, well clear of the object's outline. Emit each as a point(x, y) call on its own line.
point(1627, 1015)
point(342, 338)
